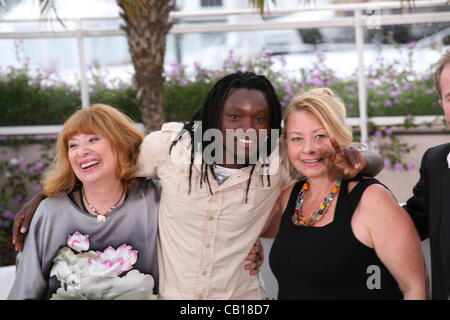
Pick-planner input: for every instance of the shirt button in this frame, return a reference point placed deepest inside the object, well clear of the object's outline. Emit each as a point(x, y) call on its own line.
point(207, 245)
point(204, 273)
point(210, 218)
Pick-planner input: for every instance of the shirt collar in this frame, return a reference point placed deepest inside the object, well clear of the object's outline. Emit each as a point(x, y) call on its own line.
point(448, 160)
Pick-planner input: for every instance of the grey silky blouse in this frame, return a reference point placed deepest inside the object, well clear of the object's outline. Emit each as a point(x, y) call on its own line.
point(134, 223)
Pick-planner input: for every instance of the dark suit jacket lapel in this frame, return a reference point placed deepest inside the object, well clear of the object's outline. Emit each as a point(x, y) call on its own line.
point(445, 225)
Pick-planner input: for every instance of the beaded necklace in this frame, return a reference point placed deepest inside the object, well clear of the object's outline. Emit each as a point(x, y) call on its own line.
point(299, 219)
point(101, 217)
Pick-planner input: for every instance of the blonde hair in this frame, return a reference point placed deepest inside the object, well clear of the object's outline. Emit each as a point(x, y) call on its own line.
point(102, 120)
point(328, 109)
point(443, 61)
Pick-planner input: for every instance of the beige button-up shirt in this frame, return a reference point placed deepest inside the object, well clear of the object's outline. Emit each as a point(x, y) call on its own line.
point(203, 237)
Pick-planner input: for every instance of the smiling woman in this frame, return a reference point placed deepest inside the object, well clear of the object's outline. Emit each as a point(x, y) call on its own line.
point(100, 126)
point(94, 203)
point(310, 122)
point(346, 226)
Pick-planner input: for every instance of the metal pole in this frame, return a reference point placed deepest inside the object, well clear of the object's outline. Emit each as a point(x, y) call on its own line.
point(82, 66)
point(178, 54)
point(362, 89)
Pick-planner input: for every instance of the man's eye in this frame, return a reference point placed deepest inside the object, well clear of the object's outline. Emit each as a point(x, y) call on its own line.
point(234, 116)
point(260, 119)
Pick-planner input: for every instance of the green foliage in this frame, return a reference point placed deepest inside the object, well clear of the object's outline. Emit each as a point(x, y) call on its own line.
point(32, 101)
point(18, 175)
point(41, 97)
point(183, 102)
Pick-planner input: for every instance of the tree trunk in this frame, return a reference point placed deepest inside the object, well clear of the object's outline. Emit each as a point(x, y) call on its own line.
point(147, 25)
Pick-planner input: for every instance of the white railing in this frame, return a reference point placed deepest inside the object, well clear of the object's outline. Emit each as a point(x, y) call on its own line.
point(354, 122)
point(358, 21)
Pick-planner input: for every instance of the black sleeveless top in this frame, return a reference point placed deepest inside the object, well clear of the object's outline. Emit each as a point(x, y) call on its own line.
point(329, 262)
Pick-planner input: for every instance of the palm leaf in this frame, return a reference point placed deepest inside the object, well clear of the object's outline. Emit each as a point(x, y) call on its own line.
point(132, 7)
point(260, 4)
point(48, 6)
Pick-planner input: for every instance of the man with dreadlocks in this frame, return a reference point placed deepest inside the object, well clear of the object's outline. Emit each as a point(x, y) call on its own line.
point(216, 195)
point(214, 208)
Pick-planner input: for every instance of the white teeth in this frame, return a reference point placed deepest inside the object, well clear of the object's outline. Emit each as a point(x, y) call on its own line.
point(88, 164)
point(311, 161)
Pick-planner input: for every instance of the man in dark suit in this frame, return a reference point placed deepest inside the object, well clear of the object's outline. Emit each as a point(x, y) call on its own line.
point(429, 207)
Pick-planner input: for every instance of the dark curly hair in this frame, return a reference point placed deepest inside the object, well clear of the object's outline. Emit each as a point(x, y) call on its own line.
point(209, 115)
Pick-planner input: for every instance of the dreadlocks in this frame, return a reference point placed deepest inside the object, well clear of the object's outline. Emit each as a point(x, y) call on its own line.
point(209, 115)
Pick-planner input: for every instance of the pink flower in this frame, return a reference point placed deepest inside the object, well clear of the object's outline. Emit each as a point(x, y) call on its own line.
point(395, 93)
point(111, 262)
point(388, 103)
point(78, 242)
point(315, 81)
point(398, 167)
point(320, 55)
point(378, 134)
point(408, 86)
point(288, 89)
point(425, 77)
point(17, 199)
point(8, 215)
point(39, 166)
point(411, 45)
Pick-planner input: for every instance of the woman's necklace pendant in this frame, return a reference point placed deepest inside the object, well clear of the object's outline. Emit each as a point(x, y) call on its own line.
point(101, 218)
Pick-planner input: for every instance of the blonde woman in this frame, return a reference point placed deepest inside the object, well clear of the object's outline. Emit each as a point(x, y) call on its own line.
point(94, 237)
point(335, 238)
